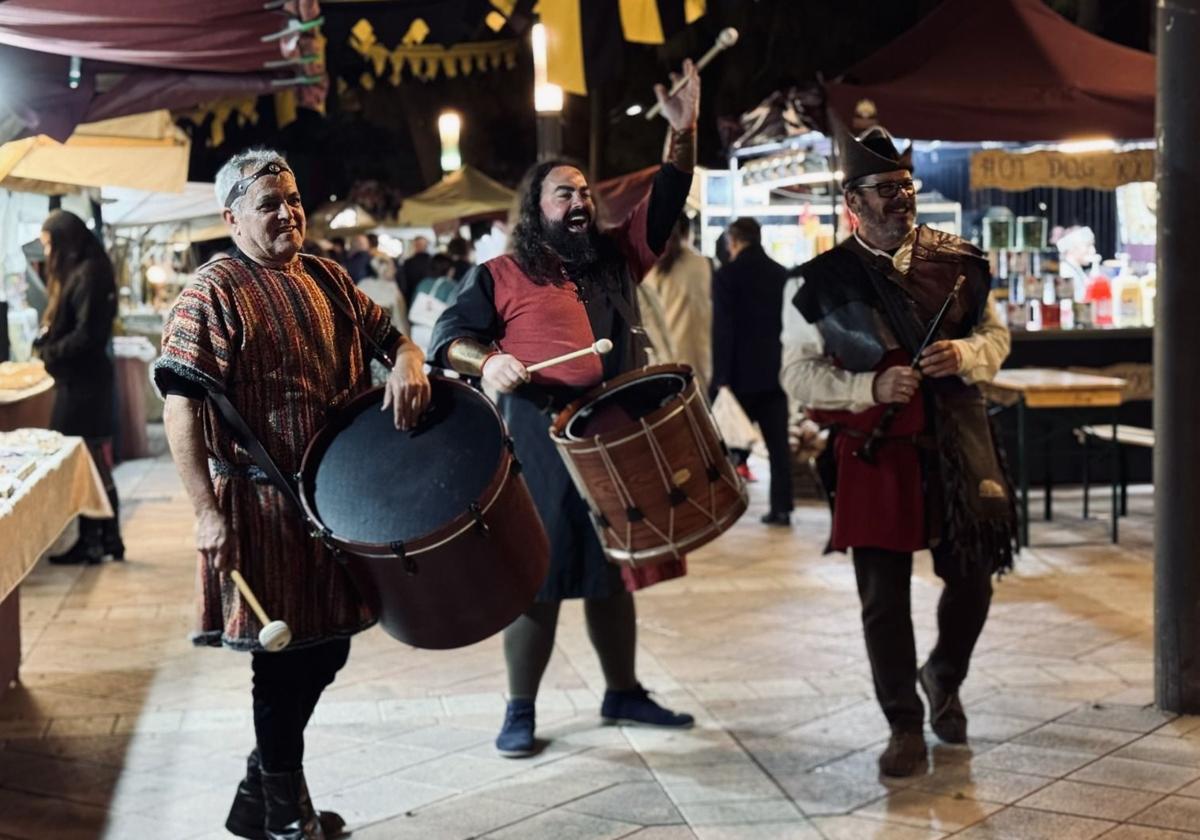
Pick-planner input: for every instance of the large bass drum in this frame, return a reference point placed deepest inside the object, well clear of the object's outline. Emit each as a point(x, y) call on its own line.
point(436, 525)
point(645, 453)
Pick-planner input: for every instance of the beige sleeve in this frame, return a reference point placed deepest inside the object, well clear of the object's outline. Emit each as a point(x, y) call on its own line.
point(808, 376)
point(985, 349)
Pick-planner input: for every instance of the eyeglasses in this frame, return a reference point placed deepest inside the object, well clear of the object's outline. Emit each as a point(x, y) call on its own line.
point(243, 186)
point(891, 189)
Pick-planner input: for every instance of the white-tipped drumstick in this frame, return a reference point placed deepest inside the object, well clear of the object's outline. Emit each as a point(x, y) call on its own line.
point(275, 635)
point(725, 39)
point(599, 348)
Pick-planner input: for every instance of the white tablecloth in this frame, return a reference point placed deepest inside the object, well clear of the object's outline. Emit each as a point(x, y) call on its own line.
point(63, 486)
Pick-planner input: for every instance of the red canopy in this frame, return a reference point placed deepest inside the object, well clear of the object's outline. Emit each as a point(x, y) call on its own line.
point(150, 54)
point(1002, 70)
point(221, 35)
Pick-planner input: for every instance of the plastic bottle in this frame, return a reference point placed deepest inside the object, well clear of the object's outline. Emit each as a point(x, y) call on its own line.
point(1128, 300)
point(1099, 294)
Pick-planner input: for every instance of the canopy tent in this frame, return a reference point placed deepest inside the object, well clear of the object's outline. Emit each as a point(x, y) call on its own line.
point(462, 195)
point(63, 62)
point(1011, 70)
point(146, 152)
point(184, 217)
point(339, 218)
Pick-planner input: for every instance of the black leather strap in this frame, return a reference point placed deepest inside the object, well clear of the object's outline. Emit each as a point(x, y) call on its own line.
point(254, 446)
point(321, 276)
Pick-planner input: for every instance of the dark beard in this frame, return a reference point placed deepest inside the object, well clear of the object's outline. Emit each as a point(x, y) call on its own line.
point(577, 251)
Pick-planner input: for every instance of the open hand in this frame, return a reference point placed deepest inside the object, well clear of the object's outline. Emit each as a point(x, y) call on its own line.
point(682, 109)
point(407, 389)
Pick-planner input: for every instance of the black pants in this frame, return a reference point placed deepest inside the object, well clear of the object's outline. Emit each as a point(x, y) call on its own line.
point(770, 412)
point(287, 686)
point(884, 579)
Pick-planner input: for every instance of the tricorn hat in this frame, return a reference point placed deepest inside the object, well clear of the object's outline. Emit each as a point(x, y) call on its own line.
point(872, 153)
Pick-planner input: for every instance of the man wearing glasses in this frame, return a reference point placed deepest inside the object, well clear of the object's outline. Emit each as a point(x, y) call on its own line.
point(935, 480)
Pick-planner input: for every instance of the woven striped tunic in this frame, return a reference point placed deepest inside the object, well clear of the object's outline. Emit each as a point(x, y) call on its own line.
point(271, 339)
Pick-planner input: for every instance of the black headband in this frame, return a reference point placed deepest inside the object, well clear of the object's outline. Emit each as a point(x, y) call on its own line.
point(243, 186)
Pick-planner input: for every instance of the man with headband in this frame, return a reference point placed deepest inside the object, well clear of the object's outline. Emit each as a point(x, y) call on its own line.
point(284, 337)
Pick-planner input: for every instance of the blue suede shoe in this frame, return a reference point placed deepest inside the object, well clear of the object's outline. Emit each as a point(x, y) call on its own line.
point(634, 707)
point(516, 736)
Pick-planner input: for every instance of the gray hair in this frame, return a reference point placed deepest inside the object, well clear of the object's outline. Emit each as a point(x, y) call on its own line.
point(241, 165)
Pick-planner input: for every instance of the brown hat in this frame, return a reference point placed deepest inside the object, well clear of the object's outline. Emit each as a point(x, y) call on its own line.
point(871, 153)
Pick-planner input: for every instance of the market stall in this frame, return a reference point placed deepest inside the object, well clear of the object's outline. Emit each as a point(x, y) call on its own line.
point(26, 396)
point(46, 480)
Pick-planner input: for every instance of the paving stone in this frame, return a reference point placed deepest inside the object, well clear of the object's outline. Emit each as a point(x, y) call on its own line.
point(1086, 800)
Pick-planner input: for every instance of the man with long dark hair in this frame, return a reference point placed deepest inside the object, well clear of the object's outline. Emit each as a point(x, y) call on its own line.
point(77, 328)
point(565, 285)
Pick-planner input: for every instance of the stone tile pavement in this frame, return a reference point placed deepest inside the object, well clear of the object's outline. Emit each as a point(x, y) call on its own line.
point(120, 729)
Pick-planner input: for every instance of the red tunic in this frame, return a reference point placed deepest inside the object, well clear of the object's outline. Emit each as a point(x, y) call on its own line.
point(543, 321)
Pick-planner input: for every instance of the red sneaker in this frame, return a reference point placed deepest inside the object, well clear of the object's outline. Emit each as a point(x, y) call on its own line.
point(744, 471)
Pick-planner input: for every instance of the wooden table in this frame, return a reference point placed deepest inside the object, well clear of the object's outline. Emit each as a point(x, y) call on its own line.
point(1041, 389)
point(64, 485)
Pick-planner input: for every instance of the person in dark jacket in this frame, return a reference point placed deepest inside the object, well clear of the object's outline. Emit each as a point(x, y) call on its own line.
point(75, 344)
point(747, 320)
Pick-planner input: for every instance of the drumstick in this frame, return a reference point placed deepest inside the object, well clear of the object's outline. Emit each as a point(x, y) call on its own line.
point(725, 39)
point(275, 635)
point(599, 348)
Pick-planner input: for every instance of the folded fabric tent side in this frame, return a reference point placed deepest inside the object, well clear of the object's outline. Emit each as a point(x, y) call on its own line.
point(463, 194)
point(184, 217)
point(143, 151)
point(1000, 70)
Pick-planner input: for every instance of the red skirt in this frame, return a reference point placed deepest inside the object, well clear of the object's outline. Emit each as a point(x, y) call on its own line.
point(878, 505)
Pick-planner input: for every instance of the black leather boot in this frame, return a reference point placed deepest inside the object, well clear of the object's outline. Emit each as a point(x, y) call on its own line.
point(248, 813)
point(290, 814)
point(110, 529)
point(87, 548)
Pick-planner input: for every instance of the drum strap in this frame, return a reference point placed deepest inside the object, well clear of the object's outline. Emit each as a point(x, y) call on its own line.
point(320, 275)
point(254, 446)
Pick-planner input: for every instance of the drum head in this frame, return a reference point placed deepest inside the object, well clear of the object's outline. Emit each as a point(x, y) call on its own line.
point(376, 484)
point(622, 405)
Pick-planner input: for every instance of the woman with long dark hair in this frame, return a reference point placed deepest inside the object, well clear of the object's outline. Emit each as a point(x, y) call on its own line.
point(74, 344)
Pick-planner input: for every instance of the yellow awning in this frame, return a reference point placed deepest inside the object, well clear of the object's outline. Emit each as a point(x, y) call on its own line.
point(462, 194)
point(143, 151)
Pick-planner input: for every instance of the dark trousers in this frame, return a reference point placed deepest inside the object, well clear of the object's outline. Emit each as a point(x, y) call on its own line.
point(287, 686)
point(884, 579)
point(98, 535)
point(770, 412)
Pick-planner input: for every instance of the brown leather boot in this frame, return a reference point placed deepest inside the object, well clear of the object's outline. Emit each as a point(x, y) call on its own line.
point(904, 754)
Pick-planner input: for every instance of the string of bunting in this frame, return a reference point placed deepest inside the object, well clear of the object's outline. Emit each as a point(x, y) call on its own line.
point(426, 61)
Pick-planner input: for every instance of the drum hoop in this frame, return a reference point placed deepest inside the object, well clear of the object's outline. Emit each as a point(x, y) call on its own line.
point(558, 429)
point(454, 527)
point(631, 558)
point(579, 446)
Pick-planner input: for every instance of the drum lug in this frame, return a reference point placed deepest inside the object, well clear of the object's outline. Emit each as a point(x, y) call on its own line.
point(634, 514)
point(676, 497)
point(410, 565)
point(477, 515)
point(601, 520)
point(714, 474)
